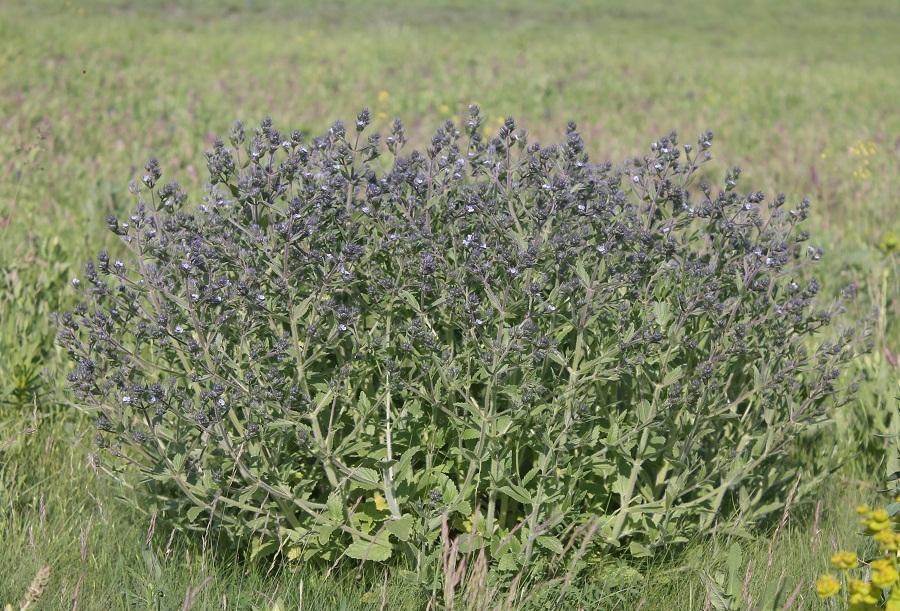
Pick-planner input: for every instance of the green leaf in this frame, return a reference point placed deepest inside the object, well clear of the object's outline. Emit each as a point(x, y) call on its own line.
point(563, 331)
point(508, 562)
point(493, 299)
point(582, 273)
point(516, 493)
point(734, 569)
point(335, 507)
point(194, 512)
point(410, 300)
point(378, 550)
point(639, 551)
point(550, 543)
point(645, 411)
point(463, 507)
point(717, 597)
point(365, 478)
point(471, 543)
point(261, 550)
point(530, 475)
point(363, 404)
point(325, 534)
point(673, 375)
point(662, 313)
point(386, 464)
point(404, 467)
point(402, 527)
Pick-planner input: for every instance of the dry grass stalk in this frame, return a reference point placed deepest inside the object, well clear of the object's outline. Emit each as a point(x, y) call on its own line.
point(12, 440)
point(789, 603)
point(745, 589)
point(205, 538)
point(32, 544)
point(152, 529)
point(42, 517)
point(591, 529)
point(99, 506)
point(460, 570)
point(453, 572)
point(781, 580)
point(35, 589)
point(190, 596)
point(85, 537)
point(384, 592)
point(816, 530)
point(470, 571)
point(168, 551)
point(784, 519)
point(475, 584)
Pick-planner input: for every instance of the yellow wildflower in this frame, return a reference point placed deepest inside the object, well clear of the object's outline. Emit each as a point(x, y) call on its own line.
point(863, 594)
point(827, 586)
point(380, 503)
point(844, 560)
point(890, 243)
point(887, 539)
point(879, 520)
point(863, 510)
point(383, 95)
point(884, 574)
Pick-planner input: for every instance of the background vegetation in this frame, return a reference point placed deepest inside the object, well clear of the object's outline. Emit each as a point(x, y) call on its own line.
point(802, 95)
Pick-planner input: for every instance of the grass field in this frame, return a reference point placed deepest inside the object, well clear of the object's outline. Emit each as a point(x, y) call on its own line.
point(803, 95)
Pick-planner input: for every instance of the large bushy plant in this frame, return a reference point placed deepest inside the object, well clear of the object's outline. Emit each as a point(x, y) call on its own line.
point(492, 338)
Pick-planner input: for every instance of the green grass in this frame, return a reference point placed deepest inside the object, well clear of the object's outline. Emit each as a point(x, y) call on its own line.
point(53, 521)
point(794, 92)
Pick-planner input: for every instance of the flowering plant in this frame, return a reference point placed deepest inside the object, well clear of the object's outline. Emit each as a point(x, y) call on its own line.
point(879, 590)
point(491, 341)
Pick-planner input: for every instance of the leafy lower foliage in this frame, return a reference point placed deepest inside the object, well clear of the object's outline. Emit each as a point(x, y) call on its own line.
point(491, 345)
point(32, 284)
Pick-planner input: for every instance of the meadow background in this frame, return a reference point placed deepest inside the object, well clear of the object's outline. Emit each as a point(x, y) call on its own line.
point(803, 95)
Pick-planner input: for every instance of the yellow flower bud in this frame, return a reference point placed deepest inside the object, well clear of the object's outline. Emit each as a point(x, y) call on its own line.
point(863, 593)
point(844, 560)
point(827, 586)
point(884, 575)
point(879, 520)
point(884, 537)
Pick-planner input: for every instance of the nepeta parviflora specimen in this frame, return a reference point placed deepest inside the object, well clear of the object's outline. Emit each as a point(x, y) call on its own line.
point(338, 351)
